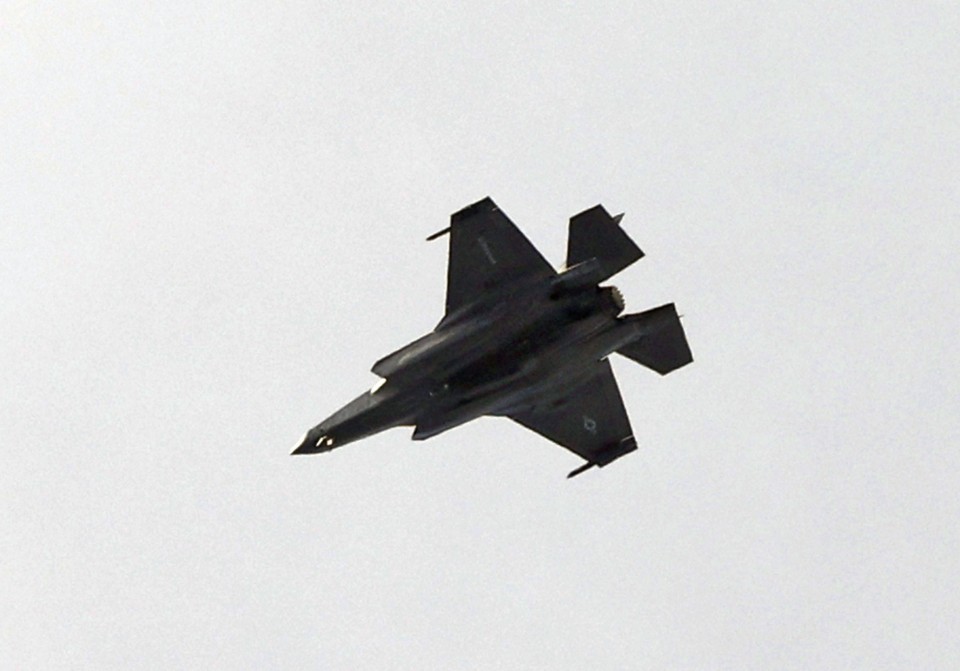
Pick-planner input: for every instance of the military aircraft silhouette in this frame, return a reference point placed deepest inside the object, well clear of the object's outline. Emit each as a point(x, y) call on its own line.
point(520, 340)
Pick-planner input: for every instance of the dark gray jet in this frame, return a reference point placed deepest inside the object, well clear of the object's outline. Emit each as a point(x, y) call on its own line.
point(520, 340)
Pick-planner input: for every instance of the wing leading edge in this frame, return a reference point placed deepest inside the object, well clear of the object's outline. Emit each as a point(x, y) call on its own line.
point(590, 421)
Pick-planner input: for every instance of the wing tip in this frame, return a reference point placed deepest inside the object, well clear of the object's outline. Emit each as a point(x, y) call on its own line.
point(577, 471)
point(483, 205)
point(438, 234)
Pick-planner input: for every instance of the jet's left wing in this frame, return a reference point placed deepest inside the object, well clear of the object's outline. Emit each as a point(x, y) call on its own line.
point(589, 421)
point(487, 251)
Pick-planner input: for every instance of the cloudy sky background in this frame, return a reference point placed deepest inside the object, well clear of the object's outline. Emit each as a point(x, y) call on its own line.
point(212, 222)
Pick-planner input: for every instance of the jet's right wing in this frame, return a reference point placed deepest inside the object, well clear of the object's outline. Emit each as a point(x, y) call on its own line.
point(487, 251)
point(589, 421)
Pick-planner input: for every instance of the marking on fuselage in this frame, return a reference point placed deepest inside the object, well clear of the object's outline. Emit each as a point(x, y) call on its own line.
point(486, 250)
point(590, 424)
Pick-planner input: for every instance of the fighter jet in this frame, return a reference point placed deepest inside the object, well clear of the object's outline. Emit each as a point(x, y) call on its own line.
point(520, 340)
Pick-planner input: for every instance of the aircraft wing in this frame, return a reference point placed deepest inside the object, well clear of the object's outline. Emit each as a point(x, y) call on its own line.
point(589, 421)
point(487, 251)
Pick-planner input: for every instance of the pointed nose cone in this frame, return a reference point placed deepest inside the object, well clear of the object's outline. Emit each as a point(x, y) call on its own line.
point(302, 448)
point(313, 442)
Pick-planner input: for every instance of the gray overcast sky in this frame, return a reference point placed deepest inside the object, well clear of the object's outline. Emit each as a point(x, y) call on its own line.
point(211, 224)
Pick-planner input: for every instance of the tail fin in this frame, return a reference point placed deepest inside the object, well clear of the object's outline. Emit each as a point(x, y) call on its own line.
point(663, 345)
point(595, 234)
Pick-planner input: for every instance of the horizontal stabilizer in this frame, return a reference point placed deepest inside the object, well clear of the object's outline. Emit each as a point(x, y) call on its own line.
point(663, 346)
point(594, 234)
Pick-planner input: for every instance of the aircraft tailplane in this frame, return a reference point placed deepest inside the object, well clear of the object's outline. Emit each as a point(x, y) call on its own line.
point(594, 234)
point(663, 344)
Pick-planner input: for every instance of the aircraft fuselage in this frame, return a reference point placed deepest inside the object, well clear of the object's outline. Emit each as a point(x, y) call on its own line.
point(487, 360)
